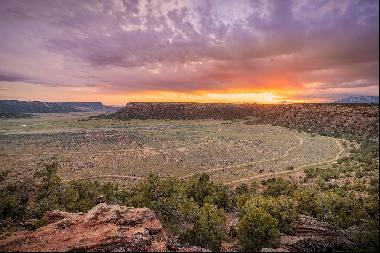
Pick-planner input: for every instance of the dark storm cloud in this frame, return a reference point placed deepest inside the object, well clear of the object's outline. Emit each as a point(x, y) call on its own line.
point(11, 78)
point(195, 45)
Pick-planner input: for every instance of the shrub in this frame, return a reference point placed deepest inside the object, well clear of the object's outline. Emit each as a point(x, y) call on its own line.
point(310, 173)
point(244, 192)
point(342, 211)
point(14, 199)
point(252, 189)
point(322, 184)
point(167, 197)
point(306, 198)
point(326, 174)
point(80, 196)
point(208, 230)
point(366, 237)
point(258, 229)
point(283, 208)
point(278, 186)
point(203, 190)
point(373, 188)
point(32, 198)
point(3, 175)
point(242, 189)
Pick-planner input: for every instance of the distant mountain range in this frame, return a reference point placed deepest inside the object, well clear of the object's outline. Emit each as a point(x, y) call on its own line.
point(359, 100)
point(17, 109)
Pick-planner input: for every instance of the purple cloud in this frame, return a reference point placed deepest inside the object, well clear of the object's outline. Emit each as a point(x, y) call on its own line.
point(131, 46)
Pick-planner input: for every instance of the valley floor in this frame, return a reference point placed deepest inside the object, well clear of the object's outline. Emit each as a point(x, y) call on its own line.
point(231, 152)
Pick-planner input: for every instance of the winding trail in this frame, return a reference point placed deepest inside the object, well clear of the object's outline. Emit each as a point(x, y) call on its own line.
point(205, 140)
point(271, 174)
point(301, 142)
point(105, 176)
point(286, 172)
point(201, 141)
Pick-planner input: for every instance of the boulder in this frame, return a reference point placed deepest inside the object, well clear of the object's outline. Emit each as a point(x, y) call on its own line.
point(103, 228)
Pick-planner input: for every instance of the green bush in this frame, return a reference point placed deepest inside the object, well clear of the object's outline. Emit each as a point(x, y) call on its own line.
point(306, 198)
point(3, 175)
point(278, 186)
point(258, 229)
point(167, 197)
point(203, 190)
point(342, 211)
point(80, 196)
point(310, 173)
point(243, 193)
point(283, 208)
point(366, 237)
point(208, 230)
point(15, 198)
point(337, 207)
point(326, 174)
point(252, 189)
point(242, 189)
point(32, 198)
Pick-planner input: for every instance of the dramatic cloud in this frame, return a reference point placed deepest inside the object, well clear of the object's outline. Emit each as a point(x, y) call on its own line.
point(295, 49)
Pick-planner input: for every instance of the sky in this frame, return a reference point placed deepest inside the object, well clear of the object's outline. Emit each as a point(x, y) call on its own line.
point(118, 51)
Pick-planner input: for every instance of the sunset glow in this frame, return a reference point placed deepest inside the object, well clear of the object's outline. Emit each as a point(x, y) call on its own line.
point(206, 98)
point(199, 51)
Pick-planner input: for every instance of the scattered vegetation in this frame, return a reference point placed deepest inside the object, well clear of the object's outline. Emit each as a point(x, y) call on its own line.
point(195, 209)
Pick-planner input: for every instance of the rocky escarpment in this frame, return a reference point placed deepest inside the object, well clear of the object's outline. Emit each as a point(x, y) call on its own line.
point(178, 111)
point(104, 228)
point(340, 120)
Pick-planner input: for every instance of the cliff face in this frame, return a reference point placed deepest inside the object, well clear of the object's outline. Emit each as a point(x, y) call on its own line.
point(178, 111)
point(103, 228)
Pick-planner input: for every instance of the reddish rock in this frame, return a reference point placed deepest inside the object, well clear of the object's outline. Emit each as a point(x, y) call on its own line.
point(103, 228)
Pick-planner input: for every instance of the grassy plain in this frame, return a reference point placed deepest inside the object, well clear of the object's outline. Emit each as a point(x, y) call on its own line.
point(125, 151)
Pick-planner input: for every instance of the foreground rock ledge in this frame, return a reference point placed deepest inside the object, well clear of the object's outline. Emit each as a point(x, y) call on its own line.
point(104, 228)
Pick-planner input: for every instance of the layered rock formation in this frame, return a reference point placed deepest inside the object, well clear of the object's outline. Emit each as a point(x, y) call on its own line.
point(104, 228)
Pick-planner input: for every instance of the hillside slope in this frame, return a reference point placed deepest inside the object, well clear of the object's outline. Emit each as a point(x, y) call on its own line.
point(359, 100)
point(337, 120)
point(17, 109)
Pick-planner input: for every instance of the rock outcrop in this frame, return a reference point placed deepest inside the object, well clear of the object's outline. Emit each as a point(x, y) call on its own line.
point(104, 228)
point(179, 111)
point(312, 235)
